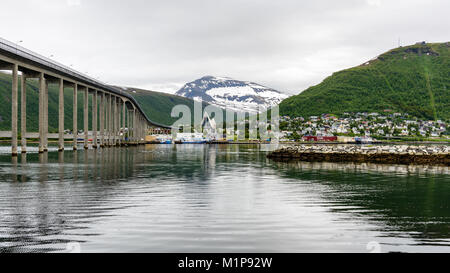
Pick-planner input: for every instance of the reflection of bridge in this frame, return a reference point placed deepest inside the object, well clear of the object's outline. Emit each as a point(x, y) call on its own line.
point(115, 109)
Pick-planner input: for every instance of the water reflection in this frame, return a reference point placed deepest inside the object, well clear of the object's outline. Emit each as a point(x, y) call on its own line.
point(402, 200)
point(216, 198)
point(46, 211)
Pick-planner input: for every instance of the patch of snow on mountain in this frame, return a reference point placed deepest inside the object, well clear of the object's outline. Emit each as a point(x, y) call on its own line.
point(231, 91)
point(232, 94)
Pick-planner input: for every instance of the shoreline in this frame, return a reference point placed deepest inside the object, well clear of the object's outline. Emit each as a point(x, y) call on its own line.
point(393, 154)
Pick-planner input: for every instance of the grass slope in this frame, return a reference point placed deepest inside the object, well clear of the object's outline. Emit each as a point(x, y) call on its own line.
point(156, 105)
point(413, 79)
point(33, 106)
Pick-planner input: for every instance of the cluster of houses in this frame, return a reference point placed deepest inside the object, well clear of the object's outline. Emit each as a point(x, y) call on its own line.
point(361, 124)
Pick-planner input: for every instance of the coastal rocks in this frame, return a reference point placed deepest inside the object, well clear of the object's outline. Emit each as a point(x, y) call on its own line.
point(393, 154)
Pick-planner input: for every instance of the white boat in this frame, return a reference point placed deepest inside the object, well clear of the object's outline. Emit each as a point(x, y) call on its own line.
point(190, 138)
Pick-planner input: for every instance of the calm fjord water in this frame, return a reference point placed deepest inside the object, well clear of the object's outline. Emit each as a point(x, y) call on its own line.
point(230, 198)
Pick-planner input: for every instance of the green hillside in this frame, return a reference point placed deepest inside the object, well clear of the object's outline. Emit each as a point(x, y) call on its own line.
point(33, 105)
point(413, 79)
point(156, 105)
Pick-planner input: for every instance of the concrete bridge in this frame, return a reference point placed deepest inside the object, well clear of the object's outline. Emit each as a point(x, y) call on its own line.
point(113, 110)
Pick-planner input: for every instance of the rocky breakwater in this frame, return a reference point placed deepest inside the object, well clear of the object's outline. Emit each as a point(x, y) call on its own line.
point(392, 154)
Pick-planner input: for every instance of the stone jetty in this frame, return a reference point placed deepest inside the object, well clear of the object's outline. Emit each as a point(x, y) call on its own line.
point(391, 154)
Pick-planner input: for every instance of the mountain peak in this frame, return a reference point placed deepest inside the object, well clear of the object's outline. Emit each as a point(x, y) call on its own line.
point(233, 94)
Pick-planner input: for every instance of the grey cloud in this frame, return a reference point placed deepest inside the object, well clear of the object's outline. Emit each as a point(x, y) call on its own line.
point(288, 45)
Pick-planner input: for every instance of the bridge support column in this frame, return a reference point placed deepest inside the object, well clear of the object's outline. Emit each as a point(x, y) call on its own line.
point(46, 116)
point(75, 116)
point(61, 116)
point(119, 120)
point(94, 119)
point(134, 125)
point(143, 131)
point(115, 121)
point(128, 126)
point(14, 95)
point(23, 113)
point(102, 119)
point(106, 119)
point(109, 120)
point(86, 117)
point(139, 129)
point(130, 129)
point(41, 112)
point(123, 121)
point(130, 113)
point(136, 128)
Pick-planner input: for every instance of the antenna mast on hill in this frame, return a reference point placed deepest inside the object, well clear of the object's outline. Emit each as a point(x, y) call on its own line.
point(399, 45)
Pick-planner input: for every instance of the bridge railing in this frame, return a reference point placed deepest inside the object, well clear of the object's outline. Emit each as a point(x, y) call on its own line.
point(28, 54)
point(20, 51)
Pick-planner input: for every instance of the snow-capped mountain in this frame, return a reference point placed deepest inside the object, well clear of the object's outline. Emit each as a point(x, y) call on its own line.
point(232, 94)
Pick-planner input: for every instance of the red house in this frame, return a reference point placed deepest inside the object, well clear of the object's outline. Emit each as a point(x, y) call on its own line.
point(319, 138)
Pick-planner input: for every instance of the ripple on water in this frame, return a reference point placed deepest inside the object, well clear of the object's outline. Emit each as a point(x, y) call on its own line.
point(216, 198)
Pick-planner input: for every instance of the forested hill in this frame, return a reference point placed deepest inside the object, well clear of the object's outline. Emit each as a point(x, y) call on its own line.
point(156, 105)
point(413, 79)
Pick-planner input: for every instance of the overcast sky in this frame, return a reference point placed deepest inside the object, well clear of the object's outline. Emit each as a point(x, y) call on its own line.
point(160, 45)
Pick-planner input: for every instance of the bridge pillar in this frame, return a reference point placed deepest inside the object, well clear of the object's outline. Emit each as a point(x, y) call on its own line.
point(123, 121)
point(94, 119)
point(143, 131)
point(106, 119)
point(75, 116)
point(139, 129)
point(102, 119)
point(41, 111)
point(15, 83)
point(119, 120)
point(86, 117)
point(109, 120)
point(23, 113)
point(46, 116)
point(116, 127)
point(135, 125)
point(115, 120)
point(130, 113)
point(128, 125)
point(61, 116)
